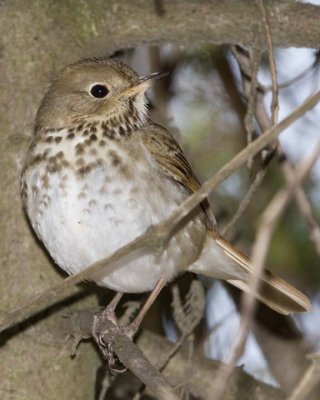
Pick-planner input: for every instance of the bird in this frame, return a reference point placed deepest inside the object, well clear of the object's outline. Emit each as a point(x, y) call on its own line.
point(99, 172)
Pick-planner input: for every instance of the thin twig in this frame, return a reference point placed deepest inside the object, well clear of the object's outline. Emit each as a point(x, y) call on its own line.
point(251, 104)
point(245, 202)
point(267, 225)
point(272, 64)
point(156, 235)
point(297, 78)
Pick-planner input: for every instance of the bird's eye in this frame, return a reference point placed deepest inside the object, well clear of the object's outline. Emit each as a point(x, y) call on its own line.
point(99, 91)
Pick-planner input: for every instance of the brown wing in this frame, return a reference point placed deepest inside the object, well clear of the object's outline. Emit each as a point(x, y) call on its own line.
point(169, 155)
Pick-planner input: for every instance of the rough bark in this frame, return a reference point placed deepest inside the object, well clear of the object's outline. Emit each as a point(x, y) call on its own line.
point(36, 39)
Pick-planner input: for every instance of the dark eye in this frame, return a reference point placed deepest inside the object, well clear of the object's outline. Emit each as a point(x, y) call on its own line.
point(99, 91)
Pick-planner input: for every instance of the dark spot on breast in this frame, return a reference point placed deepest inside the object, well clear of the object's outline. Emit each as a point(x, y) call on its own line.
point(58, 139)
point(86, 169)
point(83, 170)
point(53, 168)
point(100, 162)
point(102, 143)
point(122, 131)
point(60, 154)
point(125, 171)
point(79, 149)
point(70, 135)
point(93, 129)
point(114, 157)
point(93, 136)
point(113, 122)
point(85, 132)
point(131, 105)
point(120, 119)
point(52, 159)
point(79, 127)
point(49, 139)
point(65, 163)
point(127, 119)
point(109, 133)
point(45, 181)
point(80, 161)
point(37, 159)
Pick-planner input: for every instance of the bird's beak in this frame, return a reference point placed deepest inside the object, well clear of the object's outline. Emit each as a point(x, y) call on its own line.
point(145, 82)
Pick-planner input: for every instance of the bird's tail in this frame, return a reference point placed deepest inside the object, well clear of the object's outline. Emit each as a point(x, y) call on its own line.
point(274, 291)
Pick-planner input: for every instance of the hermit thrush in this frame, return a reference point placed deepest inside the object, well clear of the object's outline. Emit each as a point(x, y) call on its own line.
point(99, 173)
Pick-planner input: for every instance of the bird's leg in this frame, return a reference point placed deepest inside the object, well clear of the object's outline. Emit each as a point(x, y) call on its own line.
point(101, 326)
point(109, 311)
point(135, 324)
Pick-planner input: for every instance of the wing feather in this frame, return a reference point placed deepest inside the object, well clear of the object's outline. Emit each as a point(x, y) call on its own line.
point(169, 155)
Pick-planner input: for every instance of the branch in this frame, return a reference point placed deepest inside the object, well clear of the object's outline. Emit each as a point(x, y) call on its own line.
point(132, 357)
point(156, 235)
point(94, 27)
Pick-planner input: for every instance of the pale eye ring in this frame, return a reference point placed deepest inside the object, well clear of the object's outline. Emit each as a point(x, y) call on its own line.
point(99, 91)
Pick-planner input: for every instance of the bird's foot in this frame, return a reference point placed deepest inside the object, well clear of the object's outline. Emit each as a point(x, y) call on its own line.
point(105, 331)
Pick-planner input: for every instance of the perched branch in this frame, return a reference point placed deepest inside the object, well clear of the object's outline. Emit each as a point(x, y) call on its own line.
point(195, 376)
point(155, 236)
point(132, 357)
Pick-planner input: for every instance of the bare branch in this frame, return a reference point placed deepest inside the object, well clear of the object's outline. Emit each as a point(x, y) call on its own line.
point(252, 97)
point(132, 357)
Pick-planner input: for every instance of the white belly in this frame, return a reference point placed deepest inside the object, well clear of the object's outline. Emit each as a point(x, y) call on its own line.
point(84, 220)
